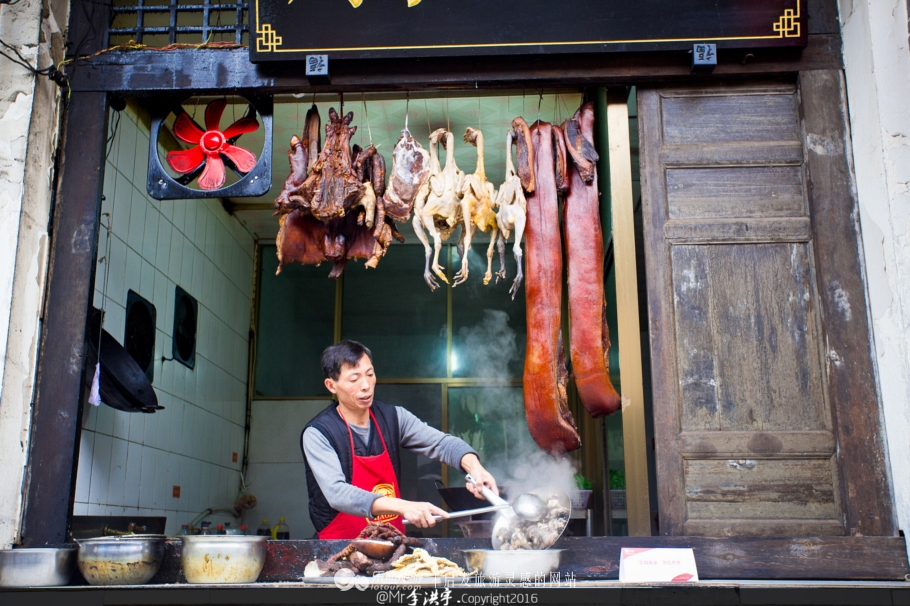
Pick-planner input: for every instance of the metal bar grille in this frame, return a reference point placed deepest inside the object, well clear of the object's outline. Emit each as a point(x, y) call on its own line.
point(182, 18)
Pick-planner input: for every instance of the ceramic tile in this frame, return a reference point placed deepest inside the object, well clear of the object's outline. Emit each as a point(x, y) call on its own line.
point(169, 311)
point(123, 203)
point(208, 433)
point(201, 376)
point(179, 216)
point(162, 296)
point(133, 274)
point(189, 378)
point(189, 221)
point(201, 419)
point(216, 427)
point(126, 150)
point(84, 471)
point(141, 164)
point(150, 237)
point(137, 426)
point(169, 422)
point(186, 435)
point(202, 330)
point(167, 372)
point(197, 499)
point(147, 282)
point(205, 486)
point(114, 319)
point(179, 390)
point(211, 237)
point(201, 224)
point(163, 248)
point(176, 255)
point(101, 469)
point(89, 417)
point(167, 209)
point(186, 267)
point(162, 494)
point(116, 279)
point(121, 425)
point(95, 509)
point(174, 461)
point(132, 482)
point(208, 283)
point(116, 485)
point(105, 423)
point(147, 477)
point(150, 426)
point(80, 509)
point(198, 270)
point(137, 219)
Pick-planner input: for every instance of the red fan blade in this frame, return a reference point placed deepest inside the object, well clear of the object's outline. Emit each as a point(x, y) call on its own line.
point(212, 176)
point(186, 161)
point(241, 127)
point(213, 113)
point(243, 159)
point(187, 130)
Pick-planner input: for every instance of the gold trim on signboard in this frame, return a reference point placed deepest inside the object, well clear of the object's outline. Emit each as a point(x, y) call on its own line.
point(783, 28)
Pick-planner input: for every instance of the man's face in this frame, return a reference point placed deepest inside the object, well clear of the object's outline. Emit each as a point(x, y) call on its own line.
point(355, 384)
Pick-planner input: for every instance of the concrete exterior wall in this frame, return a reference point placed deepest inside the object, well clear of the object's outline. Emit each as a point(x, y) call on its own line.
point(29, 112)
point(877, 61)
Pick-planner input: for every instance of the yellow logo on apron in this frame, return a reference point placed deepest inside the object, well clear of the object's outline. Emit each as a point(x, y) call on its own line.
point(386, 490)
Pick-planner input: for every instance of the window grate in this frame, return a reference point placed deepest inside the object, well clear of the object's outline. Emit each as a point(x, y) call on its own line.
point(162, 22)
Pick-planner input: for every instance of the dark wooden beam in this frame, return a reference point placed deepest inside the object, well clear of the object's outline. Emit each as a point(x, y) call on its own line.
point(866, 499)
point(137, 73)
point(56, 423)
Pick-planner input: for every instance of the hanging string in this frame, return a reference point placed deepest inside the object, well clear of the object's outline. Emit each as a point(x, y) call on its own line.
point(366, 116)
point(426, 108)
point(539, 103)
point(407, 105)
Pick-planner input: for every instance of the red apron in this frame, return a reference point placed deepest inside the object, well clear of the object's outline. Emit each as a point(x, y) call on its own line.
point(373, 474)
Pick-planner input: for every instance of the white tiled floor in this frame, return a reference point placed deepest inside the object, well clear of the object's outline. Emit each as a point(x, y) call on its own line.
point(131, 462)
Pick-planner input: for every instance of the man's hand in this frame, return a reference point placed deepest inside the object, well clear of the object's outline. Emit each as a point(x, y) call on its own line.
point(417, 513)
point(471, 464)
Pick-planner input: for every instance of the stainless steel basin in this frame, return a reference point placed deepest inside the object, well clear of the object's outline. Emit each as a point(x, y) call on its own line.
point(126, 560)
point(222, 559)
point(41, 567)
point(512, 563)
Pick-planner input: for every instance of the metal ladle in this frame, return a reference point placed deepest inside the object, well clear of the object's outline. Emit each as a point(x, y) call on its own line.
point(526, 506)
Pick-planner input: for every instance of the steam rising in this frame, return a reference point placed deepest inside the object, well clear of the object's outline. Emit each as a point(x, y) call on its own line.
point(493, 420)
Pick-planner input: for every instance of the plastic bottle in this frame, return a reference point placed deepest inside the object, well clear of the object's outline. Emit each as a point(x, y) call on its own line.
point(219, 529)
point(281, 532)
point(205, 529)
point(264, 529)
point(243, 530)
point(184, 530)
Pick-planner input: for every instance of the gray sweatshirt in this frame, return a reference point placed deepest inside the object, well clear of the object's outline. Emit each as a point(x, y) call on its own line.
point(416, 436)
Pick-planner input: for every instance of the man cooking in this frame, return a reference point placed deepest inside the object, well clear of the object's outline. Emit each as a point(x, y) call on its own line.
point(351, 451)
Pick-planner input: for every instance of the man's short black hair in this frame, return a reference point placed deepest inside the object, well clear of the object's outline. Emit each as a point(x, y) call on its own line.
point(345, 353)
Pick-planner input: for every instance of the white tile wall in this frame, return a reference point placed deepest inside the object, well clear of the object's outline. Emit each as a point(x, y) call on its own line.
point(129, 463)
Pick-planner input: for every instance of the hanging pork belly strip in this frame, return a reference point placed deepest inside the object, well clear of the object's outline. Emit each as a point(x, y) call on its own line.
point(590, 337)
point(545, 375)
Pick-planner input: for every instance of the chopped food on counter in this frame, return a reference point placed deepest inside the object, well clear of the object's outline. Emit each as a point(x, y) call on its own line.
point(376, 549)
point(422, 564)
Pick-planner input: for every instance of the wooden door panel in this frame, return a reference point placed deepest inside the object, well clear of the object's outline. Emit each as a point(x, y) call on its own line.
point(735, 192)
point(747, 338)
point(724, 118)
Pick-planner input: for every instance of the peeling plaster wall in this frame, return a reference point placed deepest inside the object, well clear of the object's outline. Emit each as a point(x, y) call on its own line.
point(877, 61)
point(29, 111)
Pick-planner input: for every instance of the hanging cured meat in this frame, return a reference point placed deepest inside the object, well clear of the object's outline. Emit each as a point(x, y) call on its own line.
point(477, 209)
point(590, 335)
point(329, 205)
point(511, 216)
point(545, 375)
point(408, 181)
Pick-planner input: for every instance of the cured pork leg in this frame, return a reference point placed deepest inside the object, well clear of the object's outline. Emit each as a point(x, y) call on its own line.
point(590, 336)
point(545, 375)
point(511, 216)
point(477, 209)
point(410, 173)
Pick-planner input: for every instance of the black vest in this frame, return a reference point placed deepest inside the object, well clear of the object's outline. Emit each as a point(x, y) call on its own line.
point(333, 427)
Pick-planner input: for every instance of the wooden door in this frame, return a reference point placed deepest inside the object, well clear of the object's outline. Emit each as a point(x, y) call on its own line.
point(766, 413)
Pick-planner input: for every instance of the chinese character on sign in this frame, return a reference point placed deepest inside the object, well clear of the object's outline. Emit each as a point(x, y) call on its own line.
point(704, 57)
point(432, 599)
point(554, 578)
point(412, 598)
point(526, 579)
point(445, 597)
point(317, 65)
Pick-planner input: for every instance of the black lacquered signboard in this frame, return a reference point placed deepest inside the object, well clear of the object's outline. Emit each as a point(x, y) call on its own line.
point(283, 30)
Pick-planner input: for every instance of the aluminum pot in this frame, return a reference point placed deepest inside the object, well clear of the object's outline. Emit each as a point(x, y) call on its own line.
point(512, 563)
point(41, 567)
point(126, 560)
point(222, 558)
